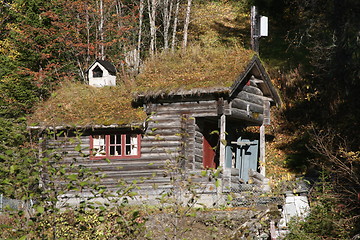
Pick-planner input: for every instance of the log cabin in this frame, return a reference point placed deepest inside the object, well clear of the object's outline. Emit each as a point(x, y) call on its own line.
point(196, 120)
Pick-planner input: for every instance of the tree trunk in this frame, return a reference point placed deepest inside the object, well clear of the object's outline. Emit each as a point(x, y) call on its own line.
point(118, 13)
point(101, 30)
point(167, 11)
point(87, 19)
point(152, 14)
point(176, 14)
point(186, 24)
point(141, 12)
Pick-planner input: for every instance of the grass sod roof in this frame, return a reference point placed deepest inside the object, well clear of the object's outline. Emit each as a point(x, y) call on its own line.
point(199, 69)
point(76, 104)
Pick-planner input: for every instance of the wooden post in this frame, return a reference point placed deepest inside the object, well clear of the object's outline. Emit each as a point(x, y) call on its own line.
point(262, 150)
point(222, 141)
point(226, 179)
point(254, 29)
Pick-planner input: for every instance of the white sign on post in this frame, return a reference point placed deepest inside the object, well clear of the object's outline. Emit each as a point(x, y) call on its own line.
point(263, 26)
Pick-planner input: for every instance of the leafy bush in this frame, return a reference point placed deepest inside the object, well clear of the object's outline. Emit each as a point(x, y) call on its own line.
point(327, 219)
point(46, 180)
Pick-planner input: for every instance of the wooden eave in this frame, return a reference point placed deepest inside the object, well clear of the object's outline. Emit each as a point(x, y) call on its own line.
point(131, 126)
point(196, 94)
point(255, 68)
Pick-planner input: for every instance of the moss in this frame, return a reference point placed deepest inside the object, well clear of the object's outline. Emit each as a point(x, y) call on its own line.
point(75, 104)
point(80, 104)
point(198, 67)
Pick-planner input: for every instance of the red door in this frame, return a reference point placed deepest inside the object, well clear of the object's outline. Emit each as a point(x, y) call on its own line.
point(209, 154)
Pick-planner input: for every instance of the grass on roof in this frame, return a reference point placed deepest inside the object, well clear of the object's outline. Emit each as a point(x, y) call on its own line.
point(198, 67)
point(80, 104)
point(76, 104)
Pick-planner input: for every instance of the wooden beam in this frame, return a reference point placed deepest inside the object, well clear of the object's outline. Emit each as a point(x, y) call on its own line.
point(262, 151)
point(253, 89)
point(242, 104)
point(222, 140)
point(242, 114)
point(250, 97)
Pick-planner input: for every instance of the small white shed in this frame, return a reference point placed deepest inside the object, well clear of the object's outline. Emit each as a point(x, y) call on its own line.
point(101, 73)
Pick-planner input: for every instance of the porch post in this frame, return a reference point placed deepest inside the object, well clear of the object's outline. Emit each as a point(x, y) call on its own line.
point(262, 150)
point(226, 172)
point(222, 141)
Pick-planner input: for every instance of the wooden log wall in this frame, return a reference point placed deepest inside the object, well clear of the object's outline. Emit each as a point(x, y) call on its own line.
point(170, 137)
point(248, 105)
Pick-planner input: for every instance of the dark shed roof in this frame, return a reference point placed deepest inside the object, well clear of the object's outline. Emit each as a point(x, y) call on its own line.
point(106, 64)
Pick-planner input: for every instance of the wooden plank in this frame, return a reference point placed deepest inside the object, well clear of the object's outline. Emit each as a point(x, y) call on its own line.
point(266, 113)
point(127, 169)
point(158, 139)
point(156, 149)
point(160, 144)
point(200, 112)
point(205, 114)
point(164, 124)
point(262, 151)
point(186, 107)
point(242, 104)
point(222, 157)
point(227, 110)
point(164, 132)
point(253, 90)
point(166, 116)
point(249, 97)
point(242, 114)
point(160, 156)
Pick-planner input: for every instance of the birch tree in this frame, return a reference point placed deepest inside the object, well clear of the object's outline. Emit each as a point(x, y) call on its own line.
point(141, 13)
point(101, 30)
point(186, 24)
point(152, 7)
point(167, 14)
point(176, 14)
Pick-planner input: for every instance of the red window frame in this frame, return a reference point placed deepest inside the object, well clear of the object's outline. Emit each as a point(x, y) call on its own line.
point(116, 146)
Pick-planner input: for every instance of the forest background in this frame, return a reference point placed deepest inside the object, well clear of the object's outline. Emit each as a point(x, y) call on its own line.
point(312, 54)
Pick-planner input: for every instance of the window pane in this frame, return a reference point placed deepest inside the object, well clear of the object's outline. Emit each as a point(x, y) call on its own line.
point(99, 140)
point(97, 72)
point(133, 150)
point(118, 139)
point(131, 145)
point(118, 151)
point(134, 139)
point(115, 145)
point(128, 149)
point(112, 150)
point(99, 145)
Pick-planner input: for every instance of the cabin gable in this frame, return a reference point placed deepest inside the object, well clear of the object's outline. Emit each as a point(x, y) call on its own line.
point(256, 73)
point(252, 94)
